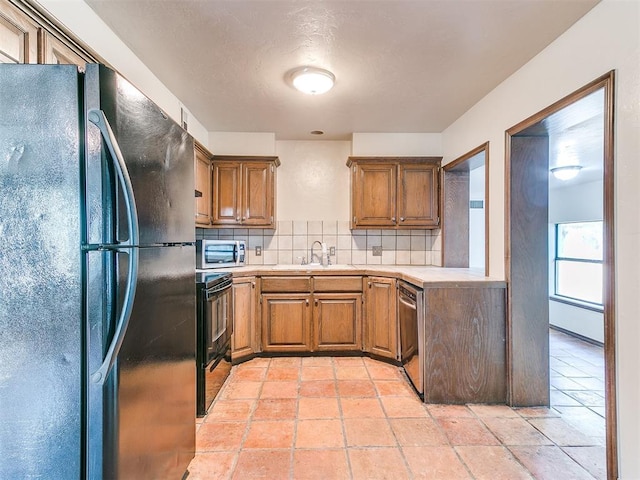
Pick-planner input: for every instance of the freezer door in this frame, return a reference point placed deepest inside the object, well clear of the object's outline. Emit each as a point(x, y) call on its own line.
point(159, 157)
point(40, 273)
point(150, 422)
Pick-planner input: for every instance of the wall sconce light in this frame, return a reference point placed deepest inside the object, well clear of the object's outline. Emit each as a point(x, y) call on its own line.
point(566, 172)
point(311, 80)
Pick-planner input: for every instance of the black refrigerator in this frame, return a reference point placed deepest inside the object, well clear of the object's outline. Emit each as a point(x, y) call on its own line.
point(97, 283)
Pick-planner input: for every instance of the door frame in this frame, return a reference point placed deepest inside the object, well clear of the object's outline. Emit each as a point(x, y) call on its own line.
point(606, 82)
point(450, 201)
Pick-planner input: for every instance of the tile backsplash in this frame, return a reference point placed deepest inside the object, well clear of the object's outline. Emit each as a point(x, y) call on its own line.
point(292, 241)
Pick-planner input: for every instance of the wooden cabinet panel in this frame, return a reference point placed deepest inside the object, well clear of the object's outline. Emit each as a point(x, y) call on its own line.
point(257, 205)
point(18, 36)
point(394, 192)
point(243, 340)
point(418, 195)
point(58, 53)
point(286, 284)
point(374, 195)
point(465, 347)
point(337, 283)
point(244, 191)
point(226, 193)
point(337, 322)
point(203, 185)
point(286, 322)
point(381, 337)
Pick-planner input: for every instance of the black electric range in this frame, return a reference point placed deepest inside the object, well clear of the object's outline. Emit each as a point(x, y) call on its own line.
point(214, 326)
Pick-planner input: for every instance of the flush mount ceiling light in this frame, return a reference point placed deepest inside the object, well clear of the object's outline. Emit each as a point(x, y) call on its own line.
point(566, 172)
point(311, 80)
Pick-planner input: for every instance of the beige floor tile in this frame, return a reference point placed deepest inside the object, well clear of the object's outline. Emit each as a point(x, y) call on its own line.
point(435, 463)
point(263, 465)
point(368, 432)
point(216, 436)
point(492, 463)
point(318, 407)
point(592, 459)
point(318, 388)
point(361, 408)
point(275, 409)
point(230, 410)
point(412, 432)
point(547, 462)
point(403, 407)
point(467, 431)
point(279, 390)
point(270, 434)
point(377, 464)
point(275, 374)
point(449, 411)
point(212, 465)
point(515, 431)
point(562, 433)
point(317, 373)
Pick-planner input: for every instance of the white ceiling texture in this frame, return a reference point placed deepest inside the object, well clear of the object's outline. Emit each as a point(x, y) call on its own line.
point(400, 65)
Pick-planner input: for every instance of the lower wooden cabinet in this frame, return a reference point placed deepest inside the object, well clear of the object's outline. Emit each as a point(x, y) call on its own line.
point(286, 322)
point(337, 322)
point(381, 328)
point(244, 340)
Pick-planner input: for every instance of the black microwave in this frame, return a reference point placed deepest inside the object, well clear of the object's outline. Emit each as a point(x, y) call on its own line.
point(220, 253)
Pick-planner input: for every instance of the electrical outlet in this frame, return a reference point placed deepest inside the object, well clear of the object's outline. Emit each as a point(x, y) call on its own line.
point(332, 251)
point(377, 251)
point(258, 251)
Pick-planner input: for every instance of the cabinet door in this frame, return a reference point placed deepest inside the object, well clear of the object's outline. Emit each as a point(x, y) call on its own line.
point(337, 322)
point(381, 324)
point(226, 193)
point(374, 195)
point(18, 36)
point(417, 195)
point(243, 340)
point(258, 194)
point(57, 53)
point(286, 322)
point(203, 185)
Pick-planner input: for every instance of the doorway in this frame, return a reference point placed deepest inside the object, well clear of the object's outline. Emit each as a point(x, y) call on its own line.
point(465, 197)
point(527, 254)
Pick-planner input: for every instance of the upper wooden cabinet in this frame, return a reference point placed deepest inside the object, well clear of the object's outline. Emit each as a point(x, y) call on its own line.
point(58, 53)
point(27, 37)
point(18, 35)
point(202, 171)
point(394, 192)
point(244, 191)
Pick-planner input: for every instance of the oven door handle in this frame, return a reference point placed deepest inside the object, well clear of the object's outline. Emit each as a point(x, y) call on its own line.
point(217, 289)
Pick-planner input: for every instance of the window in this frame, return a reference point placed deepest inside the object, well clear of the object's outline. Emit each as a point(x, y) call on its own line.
point(578, 261)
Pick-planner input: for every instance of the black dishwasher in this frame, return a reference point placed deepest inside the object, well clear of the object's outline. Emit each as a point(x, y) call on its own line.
point(411, 324)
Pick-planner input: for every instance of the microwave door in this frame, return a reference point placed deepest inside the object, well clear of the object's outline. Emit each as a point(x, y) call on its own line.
point(215, 254)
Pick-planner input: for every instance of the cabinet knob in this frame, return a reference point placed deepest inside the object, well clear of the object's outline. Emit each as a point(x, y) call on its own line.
point(402, 219)
point(369, 283)
point(316, 303)
point(244, 218)
point(253, 284)
point(237, 219)
point(393, 219)
point(307, 302)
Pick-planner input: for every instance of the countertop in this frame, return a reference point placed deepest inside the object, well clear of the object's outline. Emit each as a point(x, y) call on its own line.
point(420, 276)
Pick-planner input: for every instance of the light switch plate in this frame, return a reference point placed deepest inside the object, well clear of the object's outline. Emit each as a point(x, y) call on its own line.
point(332, 251)
point(377, 251)
point(258, 251)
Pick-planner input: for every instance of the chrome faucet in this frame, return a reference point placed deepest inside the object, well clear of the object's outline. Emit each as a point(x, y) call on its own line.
point(318, 257)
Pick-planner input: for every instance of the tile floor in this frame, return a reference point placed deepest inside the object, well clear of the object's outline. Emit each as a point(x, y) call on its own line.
point(356, 418)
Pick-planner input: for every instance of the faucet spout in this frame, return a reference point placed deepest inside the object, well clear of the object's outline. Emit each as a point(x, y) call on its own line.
point(319, 258)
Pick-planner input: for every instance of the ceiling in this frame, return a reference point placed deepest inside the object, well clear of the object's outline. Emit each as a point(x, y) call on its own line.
point(400, 65)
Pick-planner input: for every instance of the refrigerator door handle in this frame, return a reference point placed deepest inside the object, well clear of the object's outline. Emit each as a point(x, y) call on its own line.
point(98, 118)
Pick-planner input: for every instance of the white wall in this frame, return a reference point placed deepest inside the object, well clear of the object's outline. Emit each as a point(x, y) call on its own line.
point(399, 144)
point(242, 143)
point(313, 180)
point(607, 38)
point(78, 17)
point(476, 218)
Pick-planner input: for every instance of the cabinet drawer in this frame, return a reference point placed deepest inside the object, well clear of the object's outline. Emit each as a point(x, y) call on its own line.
point(286, 284)
point(337, 284)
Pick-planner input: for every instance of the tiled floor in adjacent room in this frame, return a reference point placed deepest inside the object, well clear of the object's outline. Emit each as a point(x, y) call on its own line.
point(356, 418)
